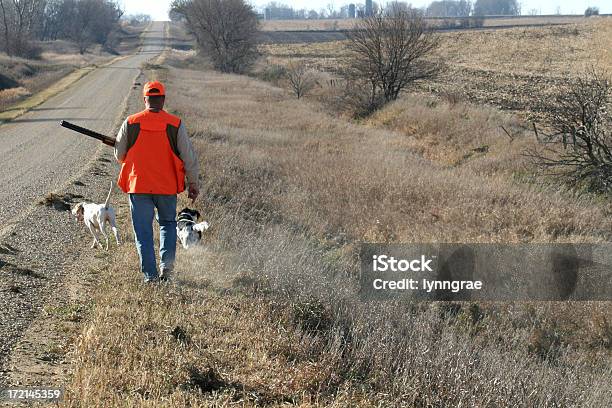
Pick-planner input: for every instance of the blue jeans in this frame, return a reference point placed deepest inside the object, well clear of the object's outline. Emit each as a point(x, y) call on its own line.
point(142, 207)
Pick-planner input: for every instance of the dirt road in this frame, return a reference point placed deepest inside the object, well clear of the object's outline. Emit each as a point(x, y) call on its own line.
point(38, 156)
point(40, 247)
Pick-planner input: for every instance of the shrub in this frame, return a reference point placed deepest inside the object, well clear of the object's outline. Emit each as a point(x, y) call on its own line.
point(388, 53)
point(582, 129)
point(301, 79)
point(272, 73)
point(591, 11)
point(311, 316)
point(7, 82)
point(358, 100)
point(225, 30)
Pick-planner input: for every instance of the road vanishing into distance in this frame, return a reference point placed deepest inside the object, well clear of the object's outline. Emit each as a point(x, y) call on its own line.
point(40, 247)
point(39, 156)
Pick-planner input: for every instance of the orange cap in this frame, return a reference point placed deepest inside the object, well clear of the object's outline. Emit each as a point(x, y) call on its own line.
point(154, 88)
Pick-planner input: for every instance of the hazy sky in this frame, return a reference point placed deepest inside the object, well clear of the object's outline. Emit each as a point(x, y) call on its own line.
point(158, 9)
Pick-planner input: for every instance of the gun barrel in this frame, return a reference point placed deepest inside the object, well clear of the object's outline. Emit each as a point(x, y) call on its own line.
point(87, 132)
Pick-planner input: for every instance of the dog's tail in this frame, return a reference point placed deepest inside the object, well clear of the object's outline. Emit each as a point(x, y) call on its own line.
point(108, 196)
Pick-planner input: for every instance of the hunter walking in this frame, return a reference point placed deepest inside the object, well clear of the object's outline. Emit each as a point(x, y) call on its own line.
point(156, 156)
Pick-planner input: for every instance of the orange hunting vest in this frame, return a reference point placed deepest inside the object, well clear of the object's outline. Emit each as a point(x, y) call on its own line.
point(152, 164)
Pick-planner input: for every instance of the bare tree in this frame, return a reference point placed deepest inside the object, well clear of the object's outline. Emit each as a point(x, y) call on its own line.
point(90, 21)
point(83, 21)
point(581, 126)
point(51, 25)
point(388, 53)
point(331, 10)
point(225, 30)
point(301, 79)
point(108, 15)
point(6, 25)
point(18, 20)
point(80, 30)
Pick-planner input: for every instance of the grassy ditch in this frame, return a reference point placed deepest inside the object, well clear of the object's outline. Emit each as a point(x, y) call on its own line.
point(266, 313)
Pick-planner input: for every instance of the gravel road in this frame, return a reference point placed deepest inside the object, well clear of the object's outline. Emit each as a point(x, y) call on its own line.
point(40, 244)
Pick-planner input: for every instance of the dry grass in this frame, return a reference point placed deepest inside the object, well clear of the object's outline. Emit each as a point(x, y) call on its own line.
point(188, 345)
point(325, 56)
point(12, 110)
point(22, 77)
point(9, 96)
point(266, 314)
point(372, 178)
point(536, 51)
point(456, 133)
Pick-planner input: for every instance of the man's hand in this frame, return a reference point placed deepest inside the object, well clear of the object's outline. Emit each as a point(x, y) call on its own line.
point(193, 192)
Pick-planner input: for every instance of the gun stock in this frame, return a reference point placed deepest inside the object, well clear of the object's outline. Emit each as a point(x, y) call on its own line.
point(87, 132)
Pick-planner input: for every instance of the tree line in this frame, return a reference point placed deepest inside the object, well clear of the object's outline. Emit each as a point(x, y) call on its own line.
point(84, 22)
point(280, 11)
point(438, 8)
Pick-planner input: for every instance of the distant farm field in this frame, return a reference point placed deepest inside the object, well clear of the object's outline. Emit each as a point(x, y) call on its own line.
point(344, 24)
point(517, 69)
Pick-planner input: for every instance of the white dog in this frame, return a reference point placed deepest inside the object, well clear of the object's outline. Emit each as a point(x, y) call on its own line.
point(95, 217)
point(188, 231)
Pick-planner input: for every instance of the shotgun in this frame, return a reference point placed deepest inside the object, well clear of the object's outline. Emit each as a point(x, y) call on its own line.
point(104, 139)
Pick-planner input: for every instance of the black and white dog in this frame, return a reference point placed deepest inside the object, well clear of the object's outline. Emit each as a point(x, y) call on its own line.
point(189, 232)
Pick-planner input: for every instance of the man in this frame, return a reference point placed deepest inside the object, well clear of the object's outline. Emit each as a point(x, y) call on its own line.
point(155, 155)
